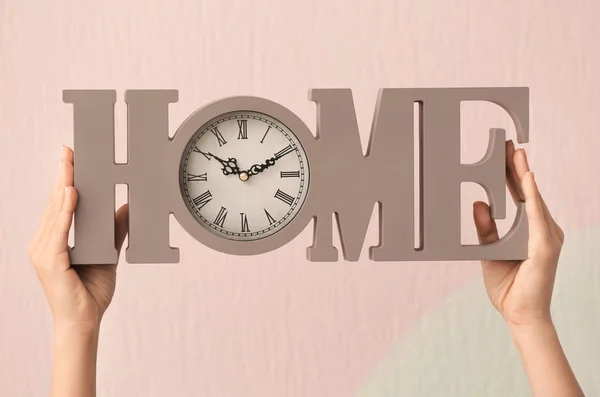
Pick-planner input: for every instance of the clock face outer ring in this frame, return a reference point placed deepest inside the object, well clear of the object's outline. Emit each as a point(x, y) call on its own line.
point(186, 132)
point(297, 151)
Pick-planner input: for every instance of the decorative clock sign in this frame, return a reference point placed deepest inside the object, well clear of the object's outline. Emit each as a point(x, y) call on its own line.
point(244, 175)
point(266, 201)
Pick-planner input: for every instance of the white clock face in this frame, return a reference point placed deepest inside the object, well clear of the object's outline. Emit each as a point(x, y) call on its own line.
point(244, 175)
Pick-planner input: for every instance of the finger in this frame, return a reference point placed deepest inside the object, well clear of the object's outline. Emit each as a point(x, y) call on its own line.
point(512, 180)
point(59, 188)
point(487, 231)
point(533, 206)
point(60, 234)
point(521, 164)
point(522, 167)
point(57, 184)
point(59, 180)
point(69, 170)
point(52, 208)
point(66, 177)
point(121, 226)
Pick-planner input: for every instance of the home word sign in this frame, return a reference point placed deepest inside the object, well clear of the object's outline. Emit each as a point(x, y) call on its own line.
point(245, 175)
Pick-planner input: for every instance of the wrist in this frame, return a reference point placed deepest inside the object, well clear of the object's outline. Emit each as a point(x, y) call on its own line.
point(532, 320)
point(530, 325)
point(75, 344)
point(531, 332)
point(78, 331)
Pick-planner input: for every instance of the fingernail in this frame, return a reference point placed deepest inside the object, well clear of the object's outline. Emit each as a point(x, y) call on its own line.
point(524, 153)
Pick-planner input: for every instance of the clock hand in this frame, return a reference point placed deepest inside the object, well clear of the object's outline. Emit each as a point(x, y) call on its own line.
point(258, 168)
point(230, 166)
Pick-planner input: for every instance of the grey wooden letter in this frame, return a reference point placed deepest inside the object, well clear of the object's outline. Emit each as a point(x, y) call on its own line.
point(146, 173)
point(93, 116)
point(350, 183)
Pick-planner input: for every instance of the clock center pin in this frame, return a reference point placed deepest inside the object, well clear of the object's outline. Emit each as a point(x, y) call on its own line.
point(244, 176)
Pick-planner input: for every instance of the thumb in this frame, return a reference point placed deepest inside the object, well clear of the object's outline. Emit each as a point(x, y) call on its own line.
point(487, 232)
point(121, 225)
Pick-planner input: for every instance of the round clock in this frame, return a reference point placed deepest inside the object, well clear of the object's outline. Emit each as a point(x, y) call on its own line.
point(244, 175)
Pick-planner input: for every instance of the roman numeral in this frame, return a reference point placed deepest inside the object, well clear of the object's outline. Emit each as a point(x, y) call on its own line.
point(220, 219)
point(220, 138)
point(264, 136)
point(203, 199)
point(290, 174)
point(244, 218)
point(200, 151)
point(243, 126)
point(284, 151)
point(269, 217)
point(286, 198)
point(197, 178)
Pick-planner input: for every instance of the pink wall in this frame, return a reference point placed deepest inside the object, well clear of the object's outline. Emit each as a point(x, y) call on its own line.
point(276, 325)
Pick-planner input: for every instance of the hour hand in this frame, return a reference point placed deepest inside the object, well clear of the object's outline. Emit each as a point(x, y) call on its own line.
point(258, 168)
point(230, 166)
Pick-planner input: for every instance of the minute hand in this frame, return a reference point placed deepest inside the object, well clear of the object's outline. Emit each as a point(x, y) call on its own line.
point(230, 167)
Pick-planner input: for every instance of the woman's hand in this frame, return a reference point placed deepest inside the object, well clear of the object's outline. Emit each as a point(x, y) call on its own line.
point(78, 295)
point(522, 290)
